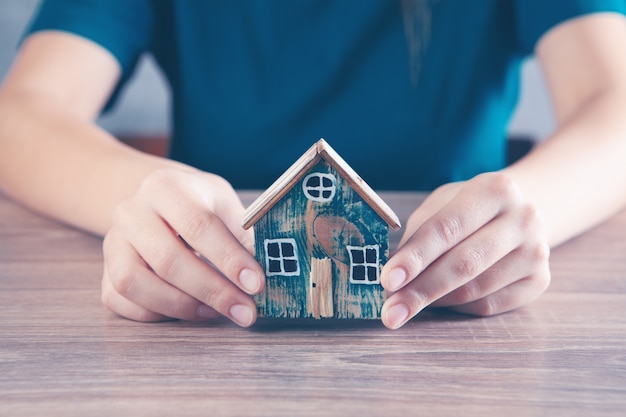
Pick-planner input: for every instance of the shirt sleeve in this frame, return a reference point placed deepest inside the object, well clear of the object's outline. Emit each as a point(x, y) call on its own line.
point(536, 17)
point(121, 27)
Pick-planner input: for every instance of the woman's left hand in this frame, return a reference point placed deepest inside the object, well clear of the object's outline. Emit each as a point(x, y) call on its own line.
point(478, 247)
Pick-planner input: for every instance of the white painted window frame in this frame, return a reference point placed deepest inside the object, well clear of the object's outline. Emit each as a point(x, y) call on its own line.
point(321, 188)
point(281, 258)
point(364, 263)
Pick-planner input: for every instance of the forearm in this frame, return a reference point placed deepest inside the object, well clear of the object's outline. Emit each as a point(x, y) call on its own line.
point(63, 166)
point(577, 177)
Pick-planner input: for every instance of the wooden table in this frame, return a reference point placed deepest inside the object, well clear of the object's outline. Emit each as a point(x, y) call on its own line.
point(63, 353)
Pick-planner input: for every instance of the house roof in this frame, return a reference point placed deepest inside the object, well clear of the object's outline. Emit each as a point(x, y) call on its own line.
point(321, 149)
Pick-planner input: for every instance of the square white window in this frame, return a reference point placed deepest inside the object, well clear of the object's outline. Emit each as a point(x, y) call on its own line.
point(281, 257)
point(364, 264)
point(319, 186)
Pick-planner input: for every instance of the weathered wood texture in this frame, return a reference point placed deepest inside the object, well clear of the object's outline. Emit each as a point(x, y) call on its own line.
point(63, 354)
point(320, 295)
point(321, 230)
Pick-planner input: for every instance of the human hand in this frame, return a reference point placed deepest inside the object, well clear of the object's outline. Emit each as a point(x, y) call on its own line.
point(477, 247)
point(175, 249)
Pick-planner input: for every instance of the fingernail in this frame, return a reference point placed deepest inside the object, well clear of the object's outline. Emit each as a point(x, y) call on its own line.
point(241, 314)
point(250, 281)
point(397, 315)
point(206, 312)
point(396, 278)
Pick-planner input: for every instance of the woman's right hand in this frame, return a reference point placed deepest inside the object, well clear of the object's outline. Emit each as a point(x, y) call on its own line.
point(175, 249)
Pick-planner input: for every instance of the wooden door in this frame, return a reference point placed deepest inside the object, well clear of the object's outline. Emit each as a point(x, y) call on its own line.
point(320, 294)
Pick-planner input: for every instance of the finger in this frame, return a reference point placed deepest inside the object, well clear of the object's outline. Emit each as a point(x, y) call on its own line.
point(218, 196)
point(124, 307)
point(466, 213)
point(431, 205)
point(207, 234)
point(509, 298)
point(517, 265)
point(456, 268)
point(172, 261)
point(231, 212)
point(129, 276)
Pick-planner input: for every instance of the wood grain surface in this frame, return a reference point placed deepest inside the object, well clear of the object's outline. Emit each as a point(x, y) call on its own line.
point(63, 354)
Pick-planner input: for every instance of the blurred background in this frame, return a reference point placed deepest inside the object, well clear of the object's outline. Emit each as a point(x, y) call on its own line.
point(142, 113)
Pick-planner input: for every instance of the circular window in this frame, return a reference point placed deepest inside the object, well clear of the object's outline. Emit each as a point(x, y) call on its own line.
point(319, 186)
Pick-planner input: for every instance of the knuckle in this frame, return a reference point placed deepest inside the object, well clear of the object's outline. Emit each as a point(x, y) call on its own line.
point(449, 229)
point(106, 297)
point(541, 281)
point(502, 186)
point(163, 261)
point(157, 179)
point(485, 307)
point(229, 261)
point(411, 258)
point(419, 298)
point(222, 184)
point(531, 218)
point(122, 211)
point(468, 263)
point(536, 255)
point(211, 295)
point(181, 308)
point(544, 280)
point(122, 277)
point(540, 253)
point(468, 292)
point(197, 224)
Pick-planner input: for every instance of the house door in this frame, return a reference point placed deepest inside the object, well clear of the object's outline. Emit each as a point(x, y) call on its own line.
point(320, 294)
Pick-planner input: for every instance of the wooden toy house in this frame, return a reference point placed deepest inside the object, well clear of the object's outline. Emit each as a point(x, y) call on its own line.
point(322, 236)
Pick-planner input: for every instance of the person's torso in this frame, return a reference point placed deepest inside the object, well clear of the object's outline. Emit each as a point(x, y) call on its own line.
point(255, 83)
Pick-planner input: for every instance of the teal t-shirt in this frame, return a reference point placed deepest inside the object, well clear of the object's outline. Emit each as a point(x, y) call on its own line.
point(255, 82)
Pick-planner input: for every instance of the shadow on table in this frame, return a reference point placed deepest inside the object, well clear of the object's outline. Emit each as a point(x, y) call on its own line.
point(430, 316)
